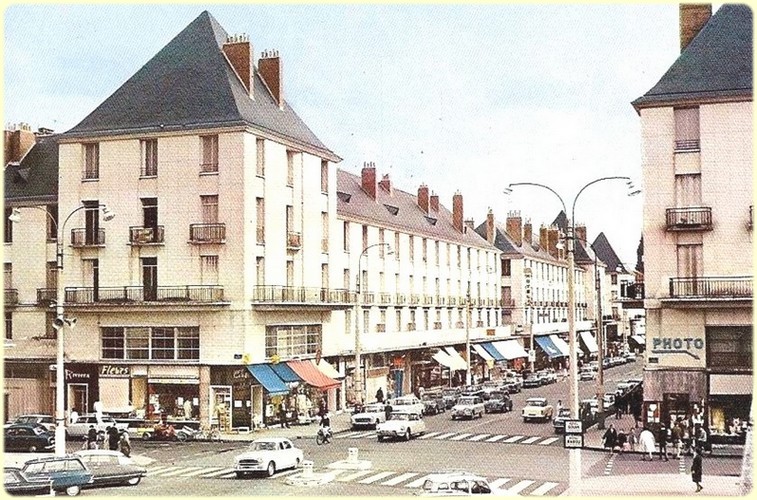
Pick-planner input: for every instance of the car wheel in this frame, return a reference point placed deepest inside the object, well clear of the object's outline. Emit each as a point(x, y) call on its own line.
point(134, 481)
point(379, 439)
point(240, 474)
point(72, 491)
point(32, 449)
point(146, 436)
point(271, 470)
point(407, 435)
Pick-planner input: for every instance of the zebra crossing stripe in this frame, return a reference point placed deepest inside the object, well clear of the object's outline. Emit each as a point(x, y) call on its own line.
point(418, 482)
point(365, 434)
point(682, 465)
point(497, 483)
point(198, 472)
point(228, 476)
point(180, 471)
point(428, 435)
point(460, 437)
point(530, 440)
point(397, 480)
point(445, 436)
point(549, 440)
point(520, 486)
point(355, 475)
point(479, 437)
point(217, 473)
point(495, 438)
point(513, 439)
point(608, 466)
point(349, 435)
point(541, 490)
point(161, 470)
point(375, 477)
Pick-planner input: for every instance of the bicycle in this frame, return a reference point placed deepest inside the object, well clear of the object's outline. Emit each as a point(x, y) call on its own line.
point(209, 434)
point(324, 436)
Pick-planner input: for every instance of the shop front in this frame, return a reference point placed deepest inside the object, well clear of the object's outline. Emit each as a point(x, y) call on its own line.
point(28, 388)
point(267, 395)
point(82, 387)
point(173, 392)
point(319, 389)
point(550, 355)
point(729, 402)
point(231, 395)
point(673, 394)
point(513, 353)
point(115, 388)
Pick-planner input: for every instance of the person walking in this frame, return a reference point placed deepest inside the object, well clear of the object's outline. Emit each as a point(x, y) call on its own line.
point(92, 438)
point(700, 437)
point(387, 410)
point(125, 444)
point(73, 416)
point(621, 441)
point(283, 415)
point(610, 438)
point(675, 437)
point(646, 440)
point(380, 395)
point(113, 438)
point(618, 405)
point(662, 440)
point(696, 469)
point(632, 439)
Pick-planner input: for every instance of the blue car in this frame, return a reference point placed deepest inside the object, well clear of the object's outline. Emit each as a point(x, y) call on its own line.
point(68, 474)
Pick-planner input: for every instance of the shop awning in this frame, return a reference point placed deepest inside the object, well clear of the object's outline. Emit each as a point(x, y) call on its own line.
point(328, 369)
point(482, 352)
point(591, 344)
point(510, 349)
point(285, 373)
point(264, 374)
point(459, 361)
point(312, 375)
point(639, 339)
point(563, 346)
point(442, 358)
point(549, 348)
point(488, 347)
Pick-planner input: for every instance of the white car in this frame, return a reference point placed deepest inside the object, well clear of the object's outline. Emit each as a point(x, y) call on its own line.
point(408, 403)
point(268, 455)
point(537, 409)
point(459, 484)
point(468, 407)
point(587, 374)
point(81, 426)
point(401, 424)
point(372, 415)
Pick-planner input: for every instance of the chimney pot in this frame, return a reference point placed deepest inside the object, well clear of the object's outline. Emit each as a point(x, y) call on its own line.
point(470, 223)
point(543, 239)
point(386, 184)
point(528, 237)
point(691, 19)
point(239, 54)
point(553, 235)
point(581, 233)
point(368, 179)
point(434, 201)
point(490, 231)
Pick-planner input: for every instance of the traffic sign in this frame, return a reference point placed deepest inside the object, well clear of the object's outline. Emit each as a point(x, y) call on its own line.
point(573, 441)
point(574, 427)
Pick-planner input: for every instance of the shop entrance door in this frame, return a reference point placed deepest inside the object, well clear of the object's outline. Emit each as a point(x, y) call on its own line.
point(220, 406)
point(78, 397)
point(674, 405)
point(257, 405)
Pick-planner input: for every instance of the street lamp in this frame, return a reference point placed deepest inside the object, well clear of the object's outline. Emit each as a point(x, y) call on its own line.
point(359, 386)
point(60, 321)
point(575, 453)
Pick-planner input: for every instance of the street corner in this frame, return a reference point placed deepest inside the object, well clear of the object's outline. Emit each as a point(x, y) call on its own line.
point(142, 460)
point(351, 465)
point(310, 478)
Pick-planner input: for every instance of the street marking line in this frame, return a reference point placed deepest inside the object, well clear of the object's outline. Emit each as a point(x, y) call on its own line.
point(198, 472)
point(180, 471)
point(397, 480)
point(428, 435)
point(549, 440)
point(609, 465)
point(530, 440)
point(217, 473)
point(371, 435)
point(161, 470)
point(355, 475)
point(495, 438)
point(350, 435)
point(445, 436)
point(682, 465)
point(418, 482)
point(513, 439)
point(460, 437)
point(376, 477)
point(479, 437)
point(520, 486)
point(541, 490)
point(499, 482)
point(363, 434)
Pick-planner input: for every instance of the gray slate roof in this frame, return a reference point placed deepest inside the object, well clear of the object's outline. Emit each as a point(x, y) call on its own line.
point(353, 203)
point(582, 255)
point(504, 243)
point(606, 253)
point(717, 64)
point(35, 178)
point(190, 84)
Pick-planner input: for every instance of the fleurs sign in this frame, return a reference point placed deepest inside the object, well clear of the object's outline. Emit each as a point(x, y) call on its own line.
point(115, 371)
point(678, 345)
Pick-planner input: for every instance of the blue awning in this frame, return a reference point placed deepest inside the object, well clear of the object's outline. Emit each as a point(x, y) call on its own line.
point(285, 373)
point(264, 374)
point(493, 352)
point(549, 347)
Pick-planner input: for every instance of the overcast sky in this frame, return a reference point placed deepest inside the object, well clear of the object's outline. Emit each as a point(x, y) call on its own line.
point(467, 98)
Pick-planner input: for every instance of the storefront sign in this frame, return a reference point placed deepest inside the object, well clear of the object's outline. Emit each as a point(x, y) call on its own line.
point(115, 371)
point(76, 376)
point(242, 373)
point(678, 345)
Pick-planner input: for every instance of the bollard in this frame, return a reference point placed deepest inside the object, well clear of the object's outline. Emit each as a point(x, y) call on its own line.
point(352, 455)
point(307, 469)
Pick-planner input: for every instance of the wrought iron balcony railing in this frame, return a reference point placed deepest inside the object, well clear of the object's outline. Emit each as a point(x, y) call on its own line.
point(688, 219)
point(300, 295)
point(84, 237)
point(507, 303)
point(380, 327)
point(11, 296)
point(368, 298)
point(632, 291)
point(140, 294)
point(428, 300)
point(385, 298)
point(415, 299)
point(207, 233)
point(401, 298)
point(142, 235)
point(46, 296)
point(711, 287)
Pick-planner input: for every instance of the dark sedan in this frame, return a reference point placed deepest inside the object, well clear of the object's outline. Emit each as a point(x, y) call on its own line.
point(111, 468)
point(68, 474)
point(28, 437)
point(16, 483)
point(433, 403)
point(450, 396)
point(532, 380)
point(499, 402)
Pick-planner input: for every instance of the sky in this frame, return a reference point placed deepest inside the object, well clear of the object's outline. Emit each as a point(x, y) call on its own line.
point(457, 97)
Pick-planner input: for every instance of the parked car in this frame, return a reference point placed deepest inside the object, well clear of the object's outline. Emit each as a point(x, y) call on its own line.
point(608, 400)
point(589, 411)
point(68, 474)
point(537, 409)
point(407, 403)
point(606, 363)
point(28, 437)
point(468, 407)
point(624, 386)
point(490, 386)
point(111, 468)
point(585, 374)
point(268, 455)
point(47, 421)
point(509, 387)
point(457, 484)
point(516, 381)
point(433, 403)
point(16, 483)
point(499, 402)
point(401, 424)
point(450, 396)
point(81, 427)
point(532, 380)
point(474, 391)
point(630, 357)
point(550, 375)
point(372, 415)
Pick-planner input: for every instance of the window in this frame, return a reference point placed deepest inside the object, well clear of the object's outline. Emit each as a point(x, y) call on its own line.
point(260, 163)
point(324, 176)
point(506, 267)
point(346, 279)
point(156, 343)
point(149, 278)
point(8, 275)
point(324, 275)
point(365, 237)
point(51, 275)
point(436, 253)
point(346, 236)
point(52, 222)
point(209, 269)
point(290, 273)
point(729, 347)
point(366, 319)
point(398, 320)
point(411, 248)
point(260, 270)
point(290, 168)
point(288, 341)
point(260, 223)
point(209, 146)
point(397, 246)
point(686, 129)
point(348, 322)
point(92, 161)
point(614, 279)
point(149, 157)
point(209, 208)
point(8, 325)
point(50, 331)
point(424, 249)
point(324, 232)
point(382, 247)
point(688, 190)
point(690, 264)
point(8, 225)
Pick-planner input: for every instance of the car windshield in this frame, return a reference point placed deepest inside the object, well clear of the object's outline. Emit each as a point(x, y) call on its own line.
point(400, 416)
point(264, 446)
point(491, 384)
point(373, 409)
point(466, 401)
point(497, 395)
point(536, 402)
point(27, 420)
point(564, 412)
point(401, 402)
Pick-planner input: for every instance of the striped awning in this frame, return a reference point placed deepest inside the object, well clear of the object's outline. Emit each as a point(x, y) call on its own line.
point(510, 349)
point(482, 352)
point(588, 339)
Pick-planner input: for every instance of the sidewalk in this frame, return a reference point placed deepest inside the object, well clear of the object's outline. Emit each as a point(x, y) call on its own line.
point(339, 422)
point(655, 485)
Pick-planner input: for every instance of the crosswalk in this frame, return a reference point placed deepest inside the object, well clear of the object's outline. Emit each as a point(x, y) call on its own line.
point(203, 472)
point(465, 436)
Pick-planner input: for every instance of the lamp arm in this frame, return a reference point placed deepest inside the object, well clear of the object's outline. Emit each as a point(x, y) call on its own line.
point(535, 184)
point(573, 209)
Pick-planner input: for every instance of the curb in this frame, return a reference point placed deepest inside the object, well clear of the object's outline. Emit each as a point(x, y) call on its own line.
point(636, 452)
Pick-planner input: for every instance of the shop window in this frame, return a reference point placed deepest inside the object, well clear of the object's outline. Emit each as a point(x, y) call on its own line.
point(8, 225)
point(8, 325)
point(158, 343)
point(729, 347)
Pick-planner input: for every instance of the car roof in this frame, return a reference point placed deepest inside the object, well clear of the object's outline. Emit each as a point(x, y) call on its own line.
point(34, 415)
point(452, 476)
point(26, 425)
point(98, 452)
point(271, 440)
point(51, 459)
point(536, 399)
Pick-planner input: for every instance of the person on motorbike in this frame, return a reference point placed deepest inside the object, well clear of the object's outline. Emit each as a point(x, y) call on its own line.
point(92, 438)
point(325, 428)
point(124, 444)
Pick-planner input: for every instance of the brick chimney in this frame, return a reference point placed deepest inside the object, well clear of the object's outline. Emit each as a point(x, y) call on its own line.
point(19, 139)
point(369, 179)
point(469, 224)
point(386, 184)
point(553, 236)
point(691, 19)
point(269, 66)
point(239, 53)
point(581, 233)
point(543, 240)
point(514, 227)
point(457, 212)
point(490, 230)
point(423, 200)
point(434, 202)
point(528, 237)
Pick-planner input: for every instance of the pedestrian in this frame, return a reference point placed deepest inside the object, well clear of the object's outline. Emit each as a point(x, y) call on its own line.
point(283, 415)
point(113, 438)
point(73, 416)
point(662, 440)
point(621, 441)
point(618, 405)
point(380, 395)
point(700, 437)
point(187, 409)
point(610, 438)
point(124, 444)
point(387, 410)
point(421, 392)
point(559, 406)
point(675, 438)
point(632, 439)
point(92, 438)
point(646, 440)
point(696, 469)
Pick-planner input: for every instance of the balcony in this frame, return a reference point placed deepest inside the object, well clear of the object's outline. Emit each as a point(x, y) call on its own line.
point(385, 298)
point(508, 304)
point(200, 234)
point(83, 237)
point(437, 325)
point(688, 219)
point(135, 295)
point(711, 287)
point(141, 235)
point(452, 301)
point(415, 299)
point(441, 300)
point(400, 298)
point(276, 297)
point(11, 296)
point(459, 324)
point(411, 327)
point(428, 300)
point(632, 295)
point(381, 327)
point(294, 240)
point(46, 296)
point(368, 298)
point(479, 324)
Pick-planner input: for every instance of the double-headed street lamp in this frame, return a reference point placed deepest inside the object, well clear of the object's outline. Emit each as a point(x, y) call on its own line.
point(60, 321)
point(575, 453)
point(358, 379)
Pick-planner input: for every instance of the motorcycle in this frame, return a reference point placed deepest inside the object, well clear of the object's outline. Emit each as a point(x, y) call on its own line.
point(160, 432)
point(324, 436)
